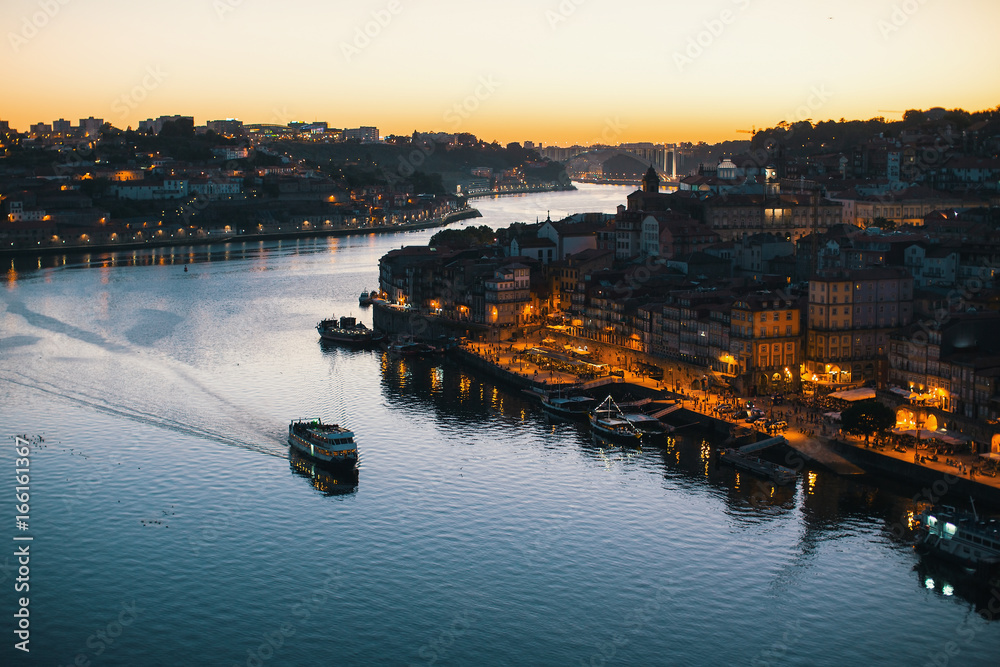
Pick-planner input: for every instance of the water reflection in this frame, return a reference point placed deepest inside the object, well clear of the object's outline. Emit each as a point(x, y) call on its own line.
point(331, 479)
point(257, 253)
point(946, 580)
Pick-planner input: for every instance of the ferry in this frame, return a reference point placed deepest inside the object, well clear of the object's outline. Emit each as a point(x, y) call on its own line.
point(330, 443)
point(332, 480)
point(347, 331)
point(608, 421)
point(961, 537)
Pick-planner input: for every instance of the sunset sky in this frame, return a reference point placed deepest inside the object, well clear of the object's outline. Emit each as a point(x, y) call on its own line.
point(550, 71)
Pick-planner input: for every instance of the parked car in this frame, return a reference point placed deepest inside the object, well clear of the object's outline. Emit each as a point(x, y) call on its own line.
point(725, 408)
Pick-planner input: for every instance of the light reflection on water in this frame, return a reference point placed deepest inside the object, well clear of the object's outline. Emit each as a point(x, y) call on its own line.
point(164, 396)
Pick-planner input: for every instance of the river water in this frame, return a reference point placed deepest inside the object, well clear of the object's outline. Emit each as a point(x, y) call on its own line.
point(170, 526)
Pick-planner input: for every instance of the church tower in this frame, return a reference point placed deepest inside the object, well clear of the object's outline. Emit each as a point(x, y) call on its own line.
point(651, 182)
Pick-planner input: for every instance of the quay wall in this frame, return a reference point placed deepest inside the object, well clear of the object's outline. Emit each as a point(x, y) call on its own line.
point(957, 488)
point(476, 362)
point(398, 321)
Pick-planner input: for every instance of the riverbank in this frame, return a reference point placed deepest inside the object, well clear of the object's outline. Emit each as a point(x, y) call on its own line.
point(520, 191)
point(456, 216)
point(508, 361)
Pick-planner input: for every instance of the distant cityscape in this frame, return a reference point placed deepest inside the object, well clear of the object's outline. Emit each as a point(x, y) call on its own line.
point(70, 186)
point(775, 264)
point(874, 267)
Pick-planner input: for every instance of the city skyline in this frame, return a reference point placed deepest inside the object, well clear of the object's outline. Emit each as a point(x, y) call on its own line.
point(570, 72)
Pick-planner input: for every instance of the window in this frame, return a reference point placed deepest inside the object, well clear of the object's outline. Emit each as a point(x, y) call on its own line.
point(788, 330)
point(788, 315)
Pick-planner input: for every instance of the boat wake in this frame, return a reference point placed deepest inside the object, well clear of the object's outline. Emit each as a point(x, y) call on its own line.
point(259, 441)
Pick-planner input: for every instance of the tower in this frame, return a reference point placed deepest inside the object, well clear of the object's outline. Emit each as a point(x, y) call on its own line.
point(651, 182)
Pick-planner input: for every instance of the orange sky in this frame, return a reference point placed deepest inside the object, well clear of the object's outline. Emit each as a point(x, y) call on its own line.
point(557, 71)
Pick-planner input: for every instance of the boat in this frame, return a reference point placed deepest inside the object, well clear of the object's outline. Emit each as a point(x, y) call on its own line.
point(568, 407)
point(650, 427)
point(347, 331)
point(960, 537)
point(367, 298)
point(774, 472)
point(406, 346)
point(330, 443)
point(330, 479)
point(608, 422)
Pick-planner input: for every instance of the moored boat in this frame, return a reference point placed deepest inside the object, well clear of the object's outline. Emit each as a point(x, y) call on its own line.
point(406, 346)
point(347, 331)
point(568, 407)
point(608, 422)
point(367, 298)
point(330, 443)
point(649, 426)
point(961, 537)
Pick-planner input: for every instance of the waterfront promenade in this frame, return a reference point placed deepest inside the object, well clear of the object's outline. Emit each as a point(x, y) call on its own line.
point(265, 235)
point(809, 432)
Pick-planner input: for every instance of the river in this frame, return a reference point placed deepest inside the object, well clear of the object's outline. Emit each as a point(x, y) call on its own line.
point(170, 526)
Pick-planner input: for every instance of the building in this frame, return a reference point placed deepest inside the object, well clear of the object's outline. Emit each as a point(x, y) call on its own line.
point(670, 235)
point(366, 135)
point(155, 125)
point(947, 367)
point(851, 315)
point(230, 127)
point(91, 127)
point(231, 152)
point(508, 296)
point(151, 189)
point(765, 341)
point(215, 188)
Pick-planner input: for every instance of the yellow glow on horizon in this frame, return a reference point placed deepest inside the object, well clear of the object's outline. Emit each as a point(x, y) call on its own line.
point(554, 73)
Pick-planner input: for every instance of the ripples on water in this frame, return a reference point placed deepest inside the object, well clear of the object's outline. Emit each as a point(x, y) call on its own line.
point(474, 531)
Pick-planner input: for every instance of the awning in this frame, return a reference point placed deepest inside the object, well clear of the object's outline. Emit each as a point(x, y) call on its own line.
point(854, 394)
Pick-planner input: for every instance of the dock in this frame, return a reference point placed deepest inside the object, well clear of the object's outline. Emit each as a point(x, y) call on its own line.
point(763, 444)
point(813, 449)
point(740, 459)
point(666, 411)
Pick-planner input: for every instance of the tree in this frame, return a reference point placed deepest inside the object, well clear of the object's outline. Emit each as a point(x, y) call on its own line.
point(883, 223)
point(867, 418)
